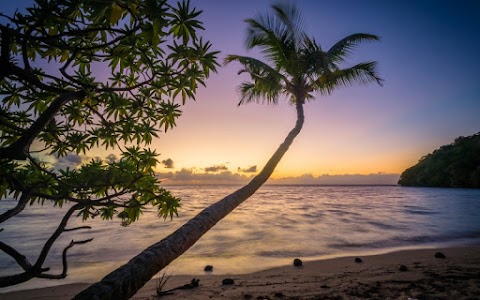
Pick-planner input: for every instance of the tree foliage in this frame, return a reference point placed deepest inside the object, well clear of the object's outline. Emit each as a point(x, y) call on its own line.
point(453, 165)
point(76, 75)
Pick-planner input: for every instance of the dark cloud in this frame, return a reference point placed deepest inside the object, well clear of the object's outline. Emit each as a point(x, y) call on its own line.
point(168, 163)
point(71, 161)
point(188, 176)
point(346, 179)
point(111, 158)
point(216, 168)
point(252, 169)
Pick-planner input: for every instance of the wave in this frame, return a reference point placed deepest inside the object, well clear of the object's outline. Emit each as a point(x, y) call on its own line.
point(398, 241)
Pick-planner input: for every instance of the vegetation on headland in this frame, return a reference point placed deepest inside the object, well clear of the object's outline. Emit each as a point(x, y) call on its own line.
point(453, 165)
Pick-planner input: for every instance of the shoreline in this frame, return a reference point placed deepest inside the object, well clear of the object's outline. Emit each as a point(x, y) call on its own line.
point(377, 277)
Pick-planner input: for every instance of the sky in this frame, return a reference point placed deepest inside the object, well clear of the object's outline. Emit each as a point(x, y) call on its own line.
point(428, 58)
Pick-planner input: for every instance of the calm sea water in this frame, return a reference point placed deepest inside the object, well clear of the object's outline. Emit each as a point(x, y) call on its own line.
point(274, 226)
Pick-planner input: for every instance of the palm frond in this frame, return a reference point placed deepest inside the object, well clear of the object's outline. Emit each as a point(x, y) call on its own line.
point(279, 35)
point(267, 83)
point(342, 49)
point(362, 73)
point(292, 22)
point(249, 64)
point(261, 34)
point(315, 60)
point(254, 66)
point(258, 93)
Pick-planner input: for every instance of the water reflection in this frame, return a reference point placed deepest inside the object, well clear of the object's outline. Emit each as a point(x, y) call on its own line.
point(274, 226)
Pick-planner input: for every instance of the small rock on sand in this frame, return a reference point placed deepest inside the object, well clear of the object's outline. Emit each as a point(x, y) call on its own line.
point(324, 286)
point(297, 262)
point(228, 281)
point(208, 268)
point(439, 255)
point(358, 260)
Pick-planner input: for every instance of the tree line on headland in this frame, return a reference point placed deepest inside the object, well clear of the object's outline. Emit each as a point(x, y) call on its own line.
point(453, 165)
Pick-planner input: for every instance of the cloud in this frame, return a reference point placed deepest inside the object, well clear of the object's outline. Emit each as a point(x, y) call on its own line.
point(168, 163)
point(216, 168)
point(111, 158)
point(71, 161)
point(345, 179)
point(252, 169)
point(188, 176)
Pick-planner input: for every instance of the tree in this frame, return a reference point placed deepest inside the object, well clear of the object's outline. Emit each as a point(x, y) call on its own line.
point(297, 67)
point(76, 75)
point(453, 165)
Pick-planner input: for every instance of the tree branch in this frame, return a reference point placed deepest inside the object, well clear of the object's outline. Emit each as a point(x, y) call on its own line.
point(21, 259)
point(64, 261)
point(52, 174)
point(22, 202)
point(5, 52)
point(20, 148)
point(30, 77)
point(26, 63)
point(77, 228)
point(22, 277)
point(37, 270)
point(60, 229)
point(9, 125)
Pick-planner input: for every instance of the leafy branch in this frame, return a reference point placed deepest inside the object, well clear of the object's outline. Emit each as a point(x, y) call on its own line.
point(79, 75)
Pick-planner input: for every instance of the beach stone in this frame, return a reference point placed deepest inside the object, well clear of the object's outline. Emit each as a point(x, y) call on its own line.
point(297, 262)
point(208, 268)
point(324, 286)
point(358, 260)
point(439, 255)
point(279, 295)
point(403, 268)
point(228, 281)
point(247, 296)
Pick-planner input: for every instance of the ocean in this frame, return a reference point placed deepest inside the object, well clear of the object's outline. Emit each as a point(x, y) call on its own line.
point(274, 226)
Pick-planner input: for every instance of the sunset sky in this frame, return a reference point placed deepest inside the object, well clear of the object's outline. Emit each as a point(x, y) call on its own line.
point(428, 57)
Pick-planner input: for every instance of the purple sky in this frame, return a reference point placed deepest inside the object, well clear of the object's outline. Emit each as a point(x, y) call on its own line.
point(428, 57)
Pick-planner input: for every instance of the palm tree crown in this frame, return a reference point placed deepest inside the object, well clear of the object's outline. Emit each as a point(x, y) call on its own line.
point(296, 66)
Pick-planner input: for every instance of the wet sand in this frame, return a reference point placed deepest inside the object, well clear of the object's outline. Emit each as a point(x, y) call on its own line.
point(457, 276)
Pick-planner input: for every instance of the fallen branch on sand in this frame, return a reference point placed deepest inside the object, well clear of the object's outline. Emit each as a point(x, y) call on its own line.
point(163, 280)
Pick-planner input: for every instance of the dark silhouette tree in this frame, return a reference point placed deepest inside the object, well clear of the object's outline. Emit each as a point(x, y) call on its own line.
point(453, 165)
point(295, 66)
point(80, 74)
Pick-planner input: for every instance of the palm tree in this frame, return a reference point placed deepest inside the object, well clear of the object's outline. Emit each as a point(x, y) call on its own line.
point(296, 67)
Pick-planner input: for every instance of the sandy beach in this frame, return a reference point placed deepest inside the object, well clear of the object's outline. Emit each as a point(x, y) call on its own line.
point(423, 276)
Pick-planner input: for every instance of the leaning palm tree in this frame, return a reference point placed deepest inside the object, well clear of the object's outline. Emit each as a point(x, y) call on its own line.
point(295, 66)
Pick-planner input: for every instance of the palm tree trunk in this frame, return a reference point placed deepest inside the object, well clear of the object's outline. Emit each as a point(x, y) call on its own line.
point(125, 281)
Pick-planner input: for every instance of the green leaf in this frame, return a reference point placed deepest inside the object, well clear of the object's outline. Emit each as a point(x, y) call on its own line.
point(98, 74)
